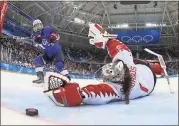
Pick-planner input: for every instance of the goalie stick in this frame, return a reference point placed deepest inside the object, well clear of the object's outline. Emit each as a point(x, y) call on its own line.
point(162, 63)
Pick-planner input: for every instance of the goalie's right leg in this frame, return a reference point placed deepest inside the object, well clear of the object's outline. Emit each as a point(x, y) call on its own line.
point(60, 91)
point(157, 69)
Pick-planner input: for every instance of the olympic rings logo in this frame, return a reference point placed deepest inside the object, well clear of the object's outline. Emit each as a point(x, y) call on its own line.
point(137, 39)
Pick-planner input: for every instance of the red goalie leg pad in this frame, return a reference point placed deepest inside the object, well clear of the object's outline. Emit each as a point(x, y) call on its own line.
point(154, 64)
point(99, 89)
point(69, 95)
point(157, 69)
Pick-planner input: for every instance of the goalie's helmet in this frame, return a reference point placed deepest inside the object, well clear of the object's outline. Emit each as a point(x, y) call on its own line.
point(118, 73)
point(98, 35)
point(113, 72)
point(37, 25)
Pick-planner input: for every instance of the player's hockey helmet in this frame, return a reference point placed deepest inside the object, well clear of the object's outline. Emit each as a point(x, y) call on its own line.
point(37, 25)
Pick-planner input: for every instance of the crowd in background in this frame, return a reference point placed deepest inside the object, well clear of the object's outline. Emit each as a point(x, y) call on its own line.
point(20, 53)
point(77, 61)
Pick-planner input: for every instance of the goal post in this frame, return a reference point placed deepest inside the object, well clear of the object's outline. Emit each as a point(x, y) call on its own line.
point(3, 9)
point(163, 65)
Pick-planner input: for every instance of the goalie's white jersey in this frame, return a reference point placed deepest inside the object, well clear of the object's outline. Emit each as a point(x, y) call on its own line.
point(142, 76)
point(144, 84)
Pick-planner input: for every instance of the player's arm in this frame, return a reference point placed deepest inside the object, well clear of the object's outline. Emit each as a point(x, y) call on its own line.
point(37, 38)
point(54, 37)
point(116, 49)
point(119, 51)
point(50, 34)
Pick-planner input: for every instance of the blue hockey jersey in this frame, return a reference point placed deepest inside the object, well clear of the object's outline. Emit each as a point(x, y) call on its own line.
point(49, 48)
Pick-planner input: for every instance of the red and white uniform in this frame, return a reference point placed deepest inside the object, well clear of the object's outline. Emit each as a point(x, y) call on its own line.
point(142, 78)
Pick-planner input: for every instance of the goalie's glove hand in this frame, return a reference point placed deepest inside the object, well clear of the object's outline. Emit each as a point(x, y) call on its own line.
point(54, 81)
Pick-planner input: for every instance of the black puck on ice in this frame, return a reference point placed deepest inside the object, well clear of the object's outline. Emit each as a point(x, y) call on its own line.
point(31, 112)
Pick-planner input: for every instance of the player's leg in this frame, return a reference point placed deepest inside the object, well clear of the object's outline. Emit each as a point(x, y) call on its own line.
point(149, 78)
point(39, 64)
point(59, 64)
point(70, 94)
point(155, 66)
point(157, 69)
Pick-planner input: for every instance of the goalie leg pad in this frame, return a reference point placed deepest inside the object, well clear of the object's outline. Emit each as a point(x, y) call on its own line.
point(157, 69)
point(69, 95)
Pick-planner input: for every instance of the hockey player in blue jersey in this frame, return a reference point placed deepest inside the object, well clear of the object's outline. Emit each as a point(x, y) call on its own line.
point(49, 41)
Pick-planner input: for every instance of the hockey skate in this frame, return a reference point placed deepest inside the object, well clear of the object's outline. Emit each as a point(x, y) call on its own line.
point(40, 78)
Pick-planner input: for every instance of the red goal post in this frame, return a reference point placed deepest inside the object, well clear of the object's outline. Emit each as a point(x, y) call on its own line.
point(3, 9)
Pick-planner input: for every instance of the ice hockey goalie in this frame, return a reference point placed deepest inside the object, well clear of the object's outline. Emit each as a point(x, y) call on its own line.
point(124, 78)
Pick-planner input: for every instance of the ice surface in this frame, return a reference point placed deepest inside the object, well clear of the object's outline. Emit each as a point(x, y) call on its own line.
point(18, 93)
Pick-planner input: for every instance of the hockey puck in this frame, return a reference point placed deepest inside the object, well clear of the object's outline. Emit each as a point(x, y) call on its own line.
point(31, 112)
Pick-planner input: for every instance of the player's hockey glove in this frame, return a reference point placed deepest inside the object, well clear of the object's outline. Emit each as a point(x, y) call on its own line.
point(53, 37)
point(37, 38)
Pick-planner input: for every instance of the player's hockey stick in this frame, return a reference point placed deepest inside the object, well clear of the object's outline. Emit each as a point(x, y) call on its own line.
point(162, 63)
point(19, 37)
